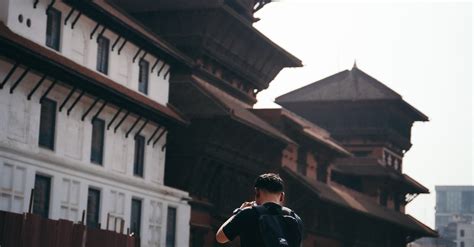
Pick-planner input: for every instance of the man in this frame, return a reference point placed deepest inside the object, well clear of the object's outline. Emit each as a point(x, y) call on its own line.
point(246, 221)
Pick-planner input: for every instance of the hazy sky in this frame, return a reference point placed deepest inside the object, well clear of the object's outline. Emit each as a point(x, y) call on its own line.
point(421, 50)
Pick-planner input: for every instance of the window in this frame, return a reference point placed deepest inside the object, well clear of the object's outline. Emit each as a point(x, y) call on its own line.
point(41, 195)
point(47, 124)
point(97, 147)
point(462, 244)
point(103, 54)
point(139, 156)
point(396, 202)
point(143, 76)
point(383, 198)
point(53, 28)
point(301, 161)
point(136, 216)
point(461, 233)
point(171, 227)
point(93, 208)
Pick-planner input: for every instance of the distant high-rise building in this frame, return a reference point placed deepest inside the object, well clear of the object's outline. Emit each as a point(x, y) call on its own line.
point(454, 203)
point(455, 214)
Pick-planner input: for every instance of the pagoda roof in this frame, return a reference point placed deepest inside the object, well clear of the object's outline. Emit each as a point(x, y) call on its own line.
point(305, 127)
point(372, 167)
point(215, 30)
point(196, 97)
point(348, 85)
point(339, 196)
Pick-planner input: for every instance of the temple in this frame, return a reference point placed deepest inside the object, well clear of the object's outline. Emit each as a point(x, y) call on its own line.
point(139, 115)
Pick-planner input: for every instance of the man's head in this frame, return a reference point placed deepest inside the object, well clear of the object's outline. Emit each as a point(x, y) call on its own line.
point(269, 187)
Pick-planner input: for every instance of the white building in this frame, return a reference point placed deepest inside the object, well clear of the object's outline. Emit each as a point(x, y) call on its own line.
point(465, 234)
point(84, 117)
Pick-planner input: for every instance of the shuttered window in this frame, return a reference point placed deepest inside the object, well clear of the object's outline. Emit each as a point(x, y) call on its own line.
point(143, 77)
point(171, 228)
point(47, 124)
point(93, 208)
point(97, 146)
point(103, 54)
point(53, 28)
point(135, 220)
point(139, 158)
point(42, 195)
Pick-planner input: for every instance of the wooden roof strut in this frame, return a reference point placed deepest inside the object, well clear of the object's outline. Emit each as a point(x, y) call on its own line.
point(75, 102)
point(48, 90)
point(113, 118)
point(99, 111)
point(90, 108)
point(10, 73)
point(121, 121)
point(36, 87)
point(67, 98)
point(133, 126)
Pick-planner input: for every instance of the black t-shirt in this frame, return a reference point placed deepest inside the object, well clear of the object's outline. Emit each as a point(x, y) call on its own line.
point(245, 225)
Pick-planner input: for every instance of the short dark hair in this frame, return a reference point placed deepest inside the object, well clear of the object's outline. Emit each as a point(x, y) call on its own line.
point(270, 182)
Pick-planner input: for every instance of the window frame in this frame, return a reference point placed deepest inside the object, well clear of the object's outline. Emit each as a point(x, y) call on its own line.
point(41, 140)
point(138, 169)
point(140, 201)
point(48, 195)
point(171, 242)
point(101, 122)
point(53, 41)
point(88, 222)
point(103, 59)
point(143, 77)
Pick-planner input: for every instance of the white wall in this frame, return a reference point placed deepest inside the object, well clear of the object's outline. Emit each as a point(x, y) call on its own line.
point(69, 164)
point(77, 45)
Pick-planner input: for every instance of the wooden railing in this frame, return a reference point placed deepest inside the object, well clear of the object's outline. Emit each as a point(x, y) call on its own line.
point(29, 230)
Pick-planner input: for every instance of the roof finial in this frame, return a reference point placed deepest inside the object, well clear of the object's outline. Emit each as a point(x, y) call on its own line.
point(355, 64)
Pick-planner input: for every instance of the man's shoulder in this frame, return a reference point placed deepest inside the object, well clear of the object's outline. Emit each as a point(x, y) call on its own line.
point(247, 212)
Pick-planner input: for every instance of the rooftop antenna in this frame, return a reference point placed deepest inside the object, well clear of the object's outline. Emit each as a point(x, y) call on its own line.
point(355, 64)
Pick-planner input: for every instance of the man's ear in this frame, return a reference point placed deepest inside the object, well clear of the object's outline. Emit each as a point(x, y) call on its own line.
point(282, 196)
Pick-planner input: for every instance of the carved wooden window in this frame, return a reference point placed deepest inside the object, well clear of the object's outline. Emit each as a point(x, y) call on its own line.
point(42, 195)
point(301, 161)
point(396, 202)
point(93, 208)
point(383, 198)
point(103, 54)
point(136, 216)
point(53, 28)
point(143, 76)
point(47, 124)
point(171, 227)
point(97, 147)
point(139, 158)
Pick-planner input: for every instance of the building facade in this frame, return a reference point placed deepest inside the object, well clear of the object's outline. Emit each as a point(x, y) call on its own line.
point(84, 115)
point(226, 146)
point(453, 203)
point(369, 187)
point(454, 217)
